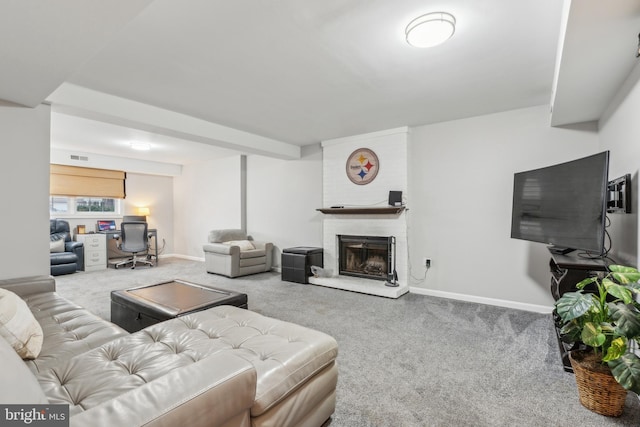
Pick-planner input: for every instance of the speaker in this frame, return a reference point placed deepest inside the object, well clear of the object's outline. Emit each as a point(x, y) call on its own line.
point(395, 198)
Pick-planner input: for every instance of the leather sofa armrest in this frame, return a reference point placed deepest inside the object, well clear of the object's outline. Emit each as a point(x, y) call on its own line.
point(29, 285)
point(220, 248)
point(210, 392)
point(78, 249)
point(73, 246)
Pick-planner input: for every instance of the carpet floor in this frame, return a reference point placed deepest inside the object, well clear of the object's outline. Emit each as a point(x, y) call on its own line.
point(414, 361)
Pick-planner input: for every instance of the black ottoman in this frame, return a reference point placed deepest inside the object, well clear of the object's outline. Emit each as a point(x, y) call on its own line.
point(136, 308)
point(296, 263)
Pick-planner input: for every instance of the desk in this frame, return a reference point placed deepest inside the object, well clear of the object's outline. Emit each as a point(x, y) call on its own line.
point(152, 232)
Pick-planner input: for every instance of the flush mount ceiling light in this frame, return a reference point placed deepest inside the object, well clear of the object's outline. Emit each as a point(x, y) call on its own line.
point(431, 29)
point(142, 146)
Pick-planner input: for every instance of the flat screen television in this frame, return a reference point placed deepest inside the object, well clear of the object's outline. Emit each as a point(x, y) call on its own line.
point(564, 205)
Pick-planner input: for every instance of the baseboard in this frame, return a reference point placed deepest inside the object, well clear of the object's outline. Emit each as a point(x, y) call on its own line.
point(430, 292)
point(483, 300)
point(187, 257)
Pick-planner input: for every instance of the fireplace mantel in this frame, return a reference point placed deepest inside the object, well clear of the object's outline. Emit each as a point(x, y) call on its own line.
point(348, 209)
point(363, 211)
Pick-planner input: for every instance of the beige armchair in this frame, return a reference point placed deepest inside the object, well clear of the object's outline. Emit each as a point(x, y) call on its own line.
point(232, 253)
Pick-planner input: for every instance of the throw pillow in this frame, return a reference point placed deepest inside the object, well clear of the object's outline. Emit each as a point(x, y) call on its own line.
point(18, 326)
point(56, 246)
point(245, 245)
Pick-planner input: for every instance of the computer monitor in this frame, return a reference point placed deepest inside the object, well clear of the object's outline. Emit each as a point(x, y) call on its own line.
point(106, 224)
point(134, 218)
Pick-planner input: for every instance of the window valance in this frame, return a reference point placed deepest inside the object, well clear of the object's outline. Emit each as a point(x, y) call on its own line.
point(88, 182)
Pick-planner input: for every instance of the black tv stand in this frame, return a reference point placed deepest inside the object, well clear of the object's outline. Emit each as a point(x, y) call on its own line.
point(567, 270)
point(560, 250)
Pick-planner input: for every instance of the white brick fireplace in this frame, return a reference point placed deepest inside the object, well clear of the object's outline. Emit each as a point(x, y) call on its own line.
point(390, 146)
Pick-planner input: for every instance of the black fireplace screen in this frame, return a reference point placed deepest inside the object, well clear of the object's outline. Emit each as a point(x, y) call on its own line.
point(365, 256)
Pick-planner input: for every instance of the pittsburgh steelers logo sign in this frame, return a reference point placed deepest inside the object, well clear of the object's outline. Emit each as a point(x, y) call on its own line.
point(362, 166)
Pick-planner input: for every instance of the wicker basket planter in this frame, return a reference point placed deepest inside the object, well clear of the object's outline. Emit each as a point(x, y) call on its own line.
point(597, 388)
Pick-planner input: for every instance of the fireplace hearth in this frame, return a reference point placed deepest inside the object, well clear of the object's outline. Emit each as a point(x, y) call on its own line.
point(367, 257)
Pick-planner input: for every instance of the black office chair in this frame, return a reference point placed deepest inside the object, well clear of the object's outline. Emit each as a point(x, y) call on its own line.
point(134, 238)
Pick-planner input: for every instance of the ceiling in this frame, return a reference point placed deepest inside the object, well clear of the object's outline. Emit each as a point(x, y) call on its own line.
point(206, 78)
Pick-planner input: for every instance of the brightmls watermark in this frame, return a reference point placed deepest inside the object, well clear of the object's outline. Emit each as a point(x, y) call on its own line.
point(34, 415)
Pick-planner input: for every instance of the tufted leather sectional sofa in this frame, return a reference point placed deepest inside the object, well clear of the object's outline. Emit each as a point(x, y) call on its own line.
point(220, 367)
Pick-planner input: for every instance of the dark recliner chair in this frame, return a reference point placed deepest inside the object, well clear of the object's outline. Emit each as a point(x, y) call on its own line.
point(72, 259)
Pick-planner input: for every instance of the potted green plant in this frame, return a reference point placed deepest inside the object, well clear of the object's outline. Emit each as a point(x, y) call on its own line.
point(607, 321)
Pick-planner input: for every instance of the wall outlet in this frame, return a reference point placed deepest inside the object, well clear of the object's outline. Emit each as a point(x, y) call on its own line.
point(426, 262)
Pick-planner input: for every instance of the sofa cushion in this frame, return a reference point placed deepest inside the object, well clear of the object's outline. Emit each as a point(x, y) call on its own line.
point(68, 329)
point(127, 363)
point(18, 326)
point(214, 391)
point(284, 354)
point(244, 245)
point(254, 253)
point(19, 386)
point(56, 246)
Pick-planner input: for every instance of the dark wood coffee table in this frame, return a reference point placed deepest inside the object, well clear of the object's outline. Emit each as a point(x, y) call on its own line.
point(136, 308)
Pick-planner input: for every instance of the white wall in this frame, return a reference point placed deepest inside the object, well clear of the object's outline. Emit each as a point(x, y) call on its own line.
point(156, 193)
point(206, 196)
point(282, 198)
point(390, 147)
point(620, 133)
point(461, 187)
point(24, 187)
